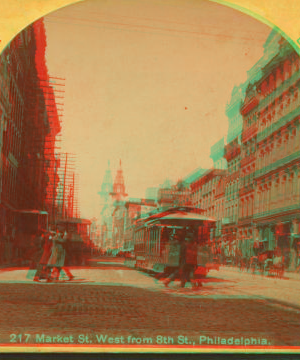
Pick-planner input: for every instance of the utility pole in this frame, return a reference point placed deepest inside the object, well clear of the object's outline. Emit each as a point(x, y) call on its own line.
point(53, 202)
point(63, 203)
point(72, 198)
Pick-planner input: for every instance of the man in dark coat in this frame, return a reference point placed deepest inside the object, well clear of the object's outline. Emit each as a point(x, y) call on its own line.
point(57, 258)
point(189, 261)
point(182, 259)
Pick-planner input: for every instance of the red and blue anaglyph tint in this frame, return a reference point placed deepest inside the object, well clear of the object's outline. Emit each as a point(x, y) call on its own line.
point(211, 261)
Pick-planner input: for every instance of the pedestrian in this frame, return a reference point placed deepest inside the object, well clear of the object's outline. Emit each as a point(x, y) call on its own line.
point(182, 255)
point(57, 258)
point(173, 256)
point(190, 263)
point(42, 268)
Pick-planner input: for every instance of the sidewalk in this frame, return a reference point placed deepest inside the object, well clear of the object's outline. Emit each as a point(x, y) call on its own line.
point(285, 291)
point(287, 274)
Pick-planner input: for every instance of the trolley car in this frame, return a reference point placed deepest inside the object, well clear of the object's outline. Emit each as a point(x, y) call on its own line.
point(156, 248)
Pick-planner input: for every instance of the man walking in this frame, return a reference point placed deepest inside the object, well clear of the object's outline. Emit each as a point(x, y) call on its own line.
point(57, 258)
point(182, 255)
point(190, 261)
point(42, 268)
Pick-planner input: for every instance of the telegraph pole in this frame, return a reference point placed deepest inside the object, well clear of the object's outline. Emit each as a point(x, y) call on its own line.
point(63, 203)
point(53, 202)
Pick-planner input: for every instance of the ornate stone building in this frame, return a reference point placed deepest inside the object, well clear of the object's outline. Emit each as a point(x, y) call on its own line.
point(275, 111)
point(230, 221)
point(246, 191)
point(235, 119)
point(217, 155)
point(174, 195)
point(203, 191)
point(220, 206)
point(205, 194)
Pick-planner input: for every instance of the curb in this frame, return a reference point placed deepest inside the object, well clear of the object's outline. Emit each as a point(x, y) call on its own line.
point(295, 275)
point(275, 301)
point(283, 303)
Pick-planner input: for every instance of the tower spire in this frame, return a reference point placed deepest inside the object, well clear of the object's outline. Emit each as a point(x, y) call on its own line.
point(119, 185)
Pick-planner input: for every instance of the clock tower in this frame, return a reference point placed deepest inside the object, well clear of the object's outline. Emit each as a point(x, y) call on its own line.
point(119, 197)
point(118, 194)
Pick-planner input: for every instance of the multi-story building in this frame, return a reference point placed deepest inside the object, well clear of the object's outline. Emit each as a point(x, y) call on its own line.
point(275, 110)
point(24, 127)
point(229, 198)
point(203, 191)
point(247, 172)
point(205, 195)
point(217, 155)
point(175, 195)
point(220, 206)
point(235, 119)
point(233, 157)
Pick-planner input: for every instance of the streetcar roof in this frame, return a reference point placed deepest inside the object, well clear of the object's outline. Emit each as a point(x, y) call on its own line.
point(183, 216)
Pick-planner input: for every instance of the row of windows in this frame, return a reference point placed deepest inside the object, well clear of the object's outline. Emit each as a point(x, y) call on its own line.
point(284, 146)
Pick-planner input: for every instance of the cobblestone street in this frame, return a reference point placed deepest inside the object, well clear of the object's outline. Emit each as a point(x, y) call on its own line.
point(126, 304)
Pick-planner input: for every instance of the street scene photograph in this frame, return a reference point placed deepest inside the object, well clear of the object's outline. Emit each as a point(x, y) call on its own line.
point(149, 181)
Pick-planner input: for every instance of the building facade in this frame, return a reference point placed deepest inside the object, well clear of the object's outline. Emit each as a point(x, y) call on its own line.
point(175, 195)
point(203, 191)
point(275, 110)
point(230, 221)
point(217, 155)
point(25, 123)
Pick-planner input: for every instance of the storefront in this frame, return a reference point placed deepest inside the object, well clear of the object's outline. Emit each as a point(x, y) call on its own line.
point(287, 240)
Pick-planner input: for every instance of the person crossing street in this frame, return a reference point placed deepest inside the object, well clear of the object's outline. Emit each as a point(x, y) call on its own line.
point(57, 258)
point(42, 268)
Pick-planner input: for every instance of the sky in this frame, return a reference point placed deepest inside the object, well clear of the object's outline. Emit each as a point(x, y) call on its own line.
point(147, 82)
